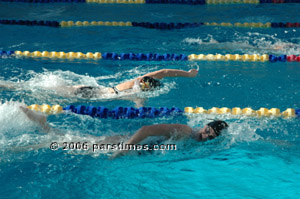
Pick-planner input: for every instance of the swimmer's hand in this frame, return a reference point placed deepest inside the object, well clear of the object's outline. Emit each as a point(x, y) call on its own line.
point(193, 72)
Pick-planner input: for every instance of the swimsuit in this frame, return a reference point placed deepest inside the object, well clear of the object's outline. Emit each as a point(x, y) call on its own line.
point(117, 91)
point(94, 92)
point(86, 92)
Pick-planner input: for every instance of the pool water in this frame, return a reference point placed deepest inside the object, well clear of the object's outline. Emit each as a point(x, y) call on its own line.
point(254, 158)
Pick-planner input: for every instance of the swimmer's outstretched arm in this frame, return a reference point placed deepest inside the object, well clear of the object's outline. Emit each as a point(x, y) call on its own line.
point(37, 118)
point(172, 73)
point(168, 130)
point(159, 75)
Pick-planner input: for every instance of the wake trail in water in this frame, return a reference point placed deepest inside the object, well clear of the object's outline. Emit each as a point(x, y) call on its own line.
point(249, 43)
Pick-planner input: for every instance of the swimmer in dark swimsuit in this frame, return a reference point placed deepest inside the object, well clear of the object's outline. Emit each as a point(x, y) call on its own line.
point(146, 82)
point(176, 131)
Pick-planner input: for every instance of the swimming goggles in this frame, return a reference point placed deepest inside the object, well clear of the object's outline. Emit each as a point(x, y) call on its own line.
point(207, 132)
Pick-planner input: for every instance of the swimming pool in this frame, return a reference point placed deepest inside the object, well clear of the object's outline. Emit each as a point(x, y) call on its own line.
point(255, 158)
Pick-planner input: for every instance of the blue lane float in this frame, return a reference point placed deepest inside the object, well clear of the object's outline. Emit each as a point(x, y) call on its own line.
point(5, 54)
point(46, 1)
point(190, 2)
point(279, 1)
point(8, 53)
point(123, 112)
point(146, 57)
point(274, 58)
point(297, 112)
point(30, 23)
point(167, 26)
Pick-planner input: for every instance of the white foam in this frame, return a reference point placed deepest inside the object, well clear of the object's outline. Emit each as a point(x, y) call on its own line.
point(247, 43)
point(205, 41)
point(241, 129)
point(13, 120)
point(16, 45)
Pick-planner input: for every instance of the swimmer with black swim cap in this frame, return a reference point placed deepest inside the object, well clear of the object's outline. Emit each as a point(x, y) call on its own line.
point(147, 82)
point(174, 131)
point(177, 131)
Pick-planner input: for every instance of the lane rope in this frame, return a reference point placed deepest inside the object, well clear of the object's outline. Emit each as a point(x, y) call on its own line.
point(152, 112)
point(150, 56)
point(150, 25)
point(189, 2)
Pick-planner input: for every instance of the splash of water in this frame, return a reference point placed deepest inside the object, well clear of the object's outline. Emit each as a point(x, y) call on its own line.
point(246, 43)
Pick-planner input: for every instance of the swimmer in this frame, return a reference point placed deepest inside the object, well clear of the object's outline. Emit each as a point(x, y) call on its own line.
point(244, 47)
point(147, 82)
point(175, 131)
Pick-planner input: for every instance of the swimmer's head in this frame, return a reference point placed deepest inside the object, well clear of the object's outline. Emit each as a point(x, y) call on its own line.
point(218, 126)
point(149, 83)
point(211, 130)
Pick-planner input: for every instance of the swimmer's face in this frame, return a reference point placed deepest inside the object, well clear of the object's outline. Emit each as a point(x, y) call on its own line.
point(206, 133)
point(145, 86)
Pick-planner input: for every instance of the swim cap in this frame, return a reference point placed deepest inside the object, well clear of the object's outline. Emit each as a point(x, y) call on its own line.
point(218, 126)
point(148, 83)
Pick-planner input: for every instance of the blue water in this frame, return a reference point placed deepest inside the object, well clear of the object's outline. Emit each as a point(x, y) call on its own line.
point(254, 158)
